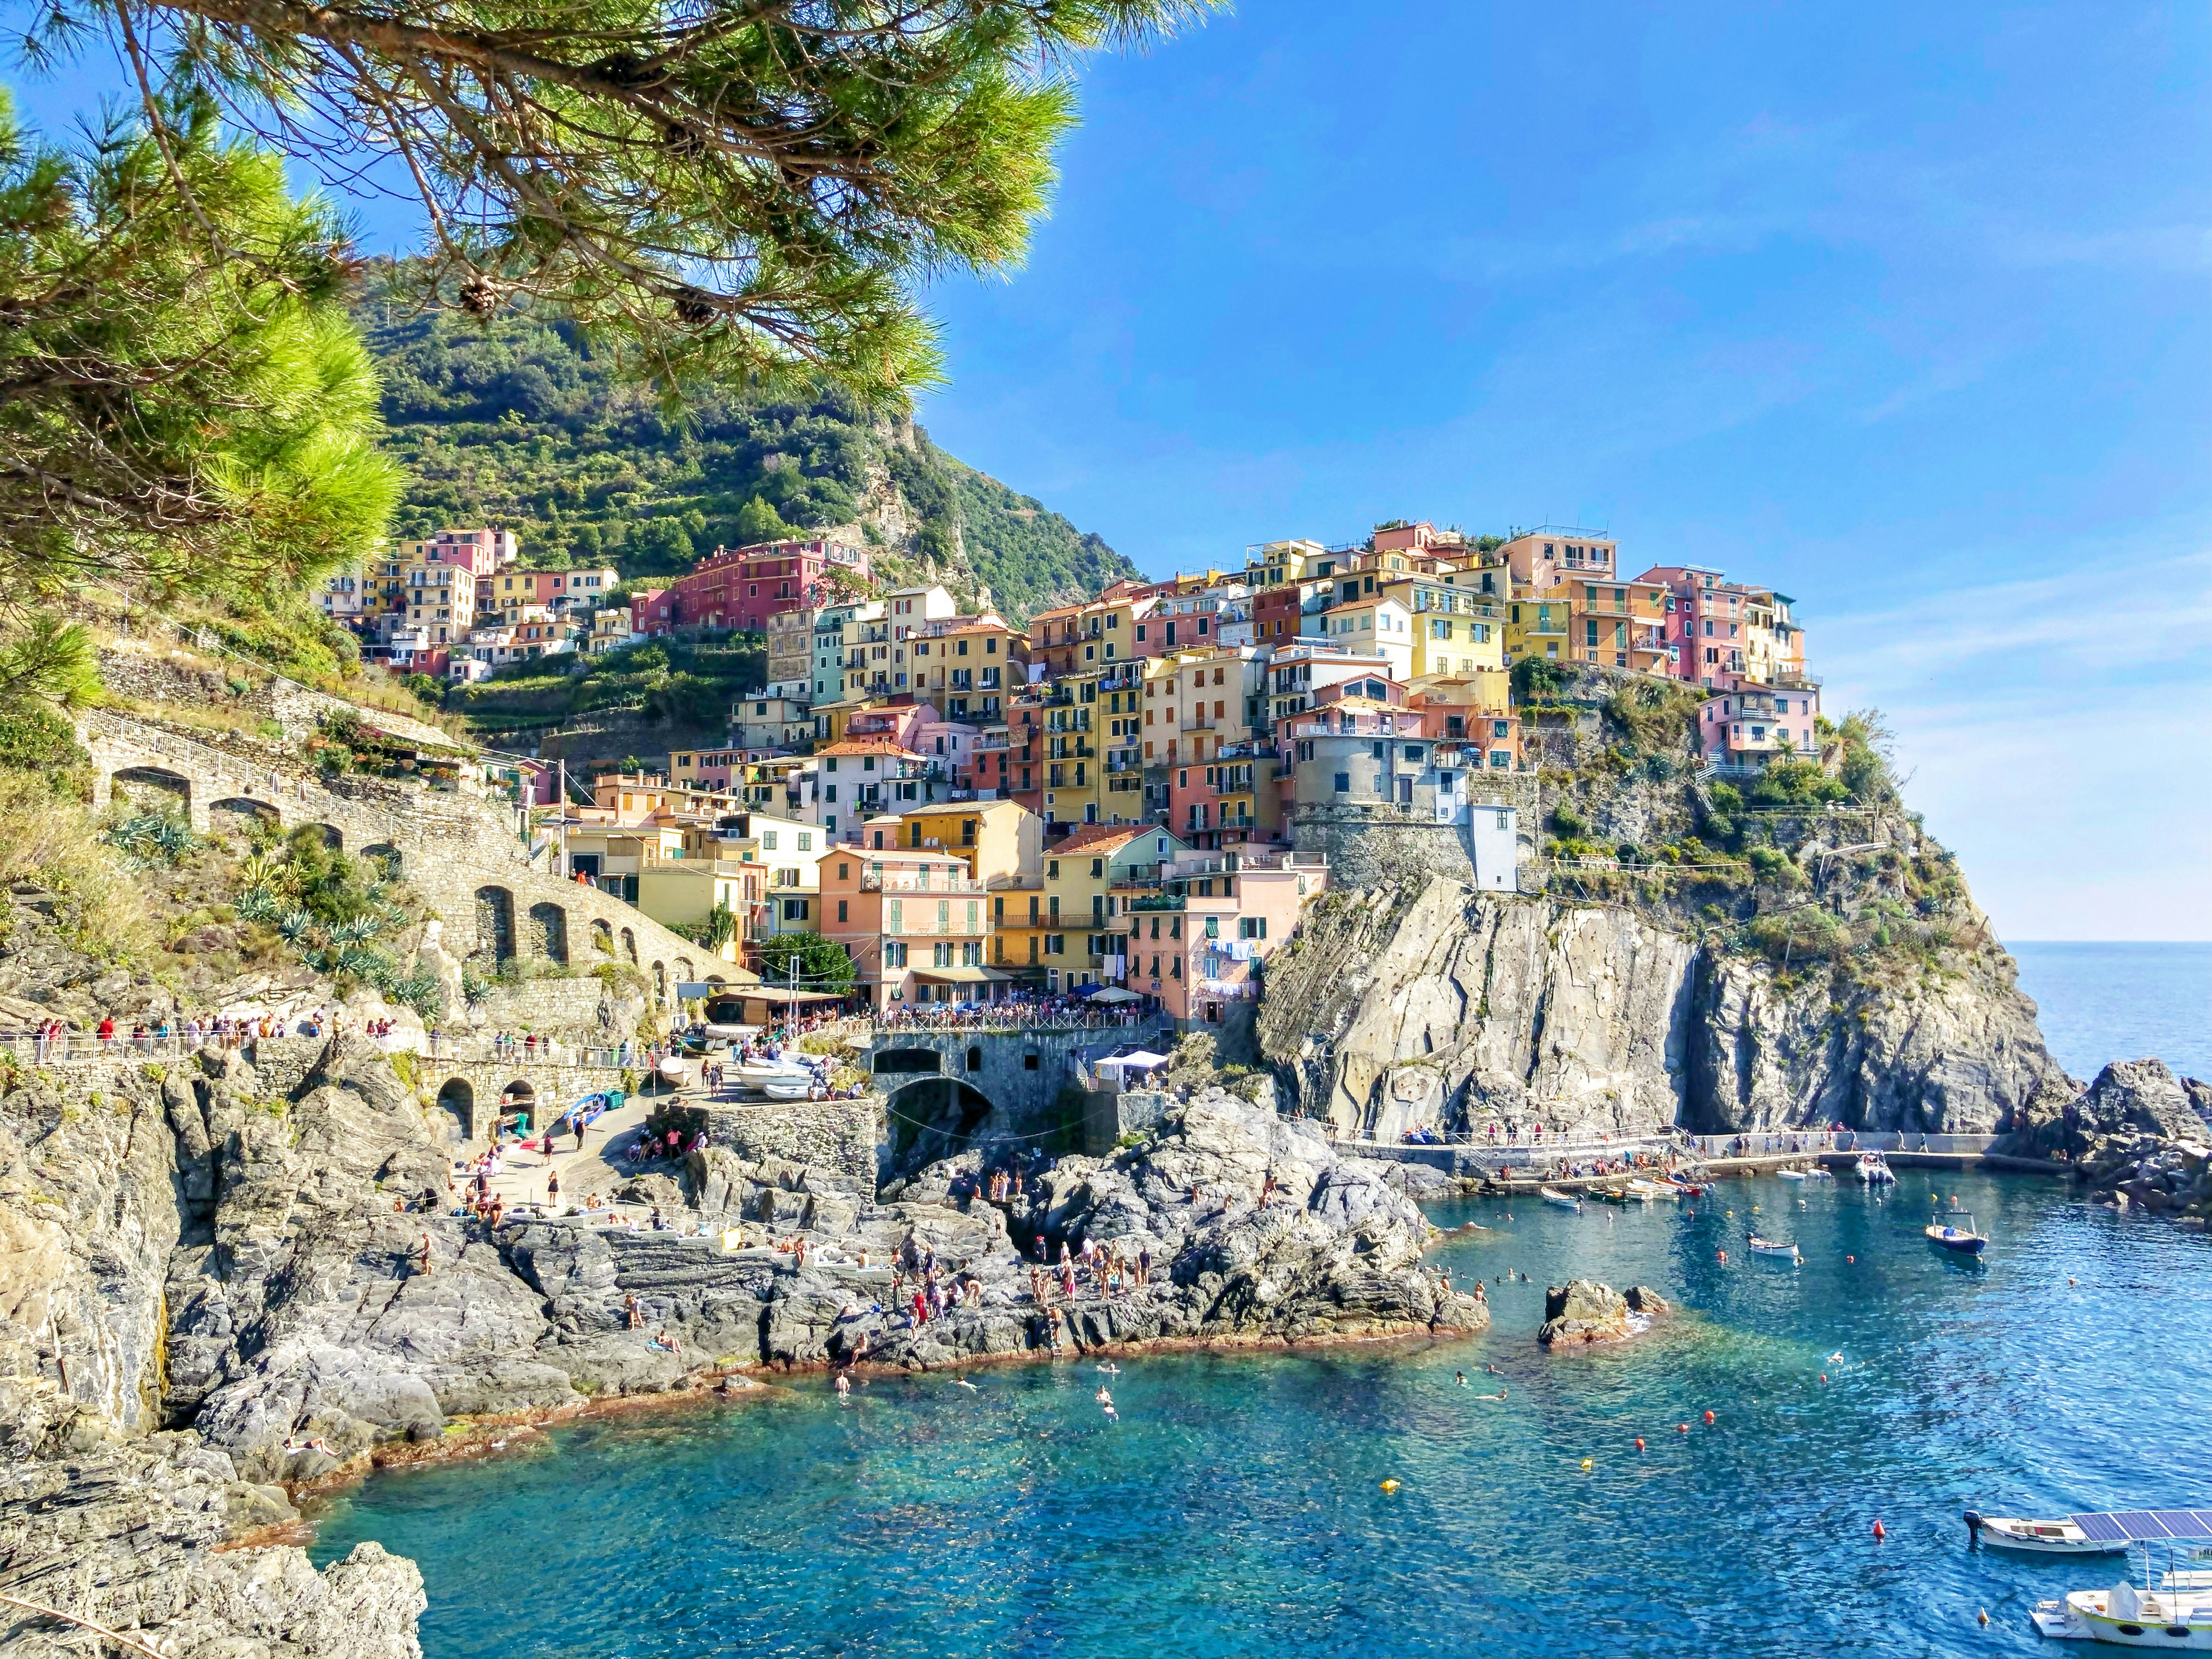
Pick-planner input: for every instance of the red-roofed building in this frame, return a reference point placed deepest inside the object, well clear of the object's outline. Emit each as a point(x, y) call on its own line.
point(743, 588)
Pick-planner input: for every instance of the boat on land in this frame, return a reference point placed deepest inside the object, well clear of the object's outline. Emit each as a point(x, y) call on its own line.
point(674, 1070)
point(1961, 1238)
point(1873, 1169)
point(2062, 1536)
point(2170, 1611)
point(1773, 1247)
point(790, 1088)
point(771, 1071)
point(1564, 1200)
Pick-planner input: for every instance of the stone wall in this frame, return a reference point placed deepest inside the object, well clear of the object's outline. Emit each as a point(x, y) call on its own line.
point(1382, 844)
point(154, 673)
point(577, 1009)
point(843, 1135)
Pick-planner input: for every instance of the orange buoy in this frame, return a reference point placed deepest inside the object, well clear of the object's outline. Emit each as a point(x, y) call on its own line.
point(1639, 1442)
point(1824, 1376)
point(1984, 1616)
point(1709, 1417)
point(1682, 1428)
point(1878, 1533)
point(1851, 1258)
point(1721, 1254)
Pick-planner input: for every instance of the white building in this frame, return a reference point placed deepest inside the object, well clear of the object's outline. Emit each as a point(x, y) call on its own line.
point(1494, 840)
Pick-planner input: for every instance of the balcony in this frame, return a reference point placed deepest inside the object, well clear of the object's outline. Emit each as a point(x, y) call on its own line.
point(919, 881)
point(1153, 902)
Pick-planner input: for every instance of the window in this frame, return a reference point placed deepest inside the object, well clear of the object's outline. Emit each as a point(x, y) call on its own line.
point(894, 955)
point(1213, 928)
point(841, 910)
point(1055, 944)
point(1343, 783)
point(806, 841)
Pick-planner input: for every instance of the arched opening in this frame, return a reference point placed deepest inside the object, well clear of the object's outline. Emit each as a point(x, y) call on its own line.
point(458, 1102)
point(519, 1100)
point(603, 938)
point(629, 947)
point(496, 922)
point(242, 812)
point(684, 973)
point(974, 1057)
point(548, 931)
point(153, 789)
point(659, 984)
point(936, 1117)
point(333, 837)
point(386, 857)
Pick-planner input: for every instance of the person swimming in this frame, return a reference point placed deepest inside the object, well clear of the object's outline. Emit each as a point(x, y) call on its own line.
point(1461, 1378)
point(1500, 1395)
point(844, 1386)
point(963, 1382)
point(1111, 1370)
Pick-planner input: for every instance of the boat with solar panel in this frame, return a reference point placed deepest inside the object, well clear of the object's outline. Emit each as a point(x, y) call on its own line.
point(2171, 1610)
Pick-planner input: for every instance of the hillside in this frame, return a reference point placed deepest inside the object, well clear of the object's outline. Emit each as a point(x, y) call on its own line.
point(519, 422)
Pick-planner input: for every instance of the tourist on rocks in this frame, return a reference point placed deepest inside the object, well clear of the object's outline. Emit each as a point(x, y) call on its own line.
point(422, 1254)
point(106, 1031)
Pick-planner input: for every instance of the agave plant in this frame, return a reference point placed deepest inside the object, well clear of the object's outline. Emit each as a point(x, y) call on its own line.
point(374, 966)
point(255, 904)
point(295, 925)
point(354, 930)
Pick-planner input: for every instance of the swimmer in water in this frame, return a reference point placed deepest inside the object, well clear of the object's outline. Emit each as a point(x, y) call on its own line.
point(1460, 1377)
point(962, 1382)
point(844, 1387)
point(1111, 1370)
point(1104, 1398)
point(1500, 1395)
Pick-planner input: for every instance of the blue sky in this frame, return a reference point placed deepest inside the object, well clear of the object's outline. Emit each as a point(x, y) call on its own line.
point(1902, 309)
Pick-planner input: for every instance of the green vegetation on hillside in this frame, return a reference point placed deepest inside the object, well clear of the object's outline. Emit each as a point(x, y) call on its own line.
point(685, 682)
point(526, 424)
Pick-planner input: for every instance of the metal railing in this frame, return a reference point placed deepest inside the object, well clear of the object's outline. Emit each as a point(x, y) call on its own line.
point(86, 1048)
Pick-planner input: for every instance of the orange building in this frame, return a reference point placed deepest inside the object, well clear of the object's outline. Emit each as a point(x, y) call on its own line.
point(914, 923)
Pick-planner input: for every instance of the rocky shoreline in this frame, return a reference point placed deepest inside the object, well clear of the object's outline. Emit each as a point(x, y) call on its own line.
point(218, 1308)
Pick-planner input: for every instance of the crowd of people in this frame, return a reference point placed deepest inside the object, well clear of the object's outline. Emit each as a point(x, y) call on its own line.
point(56, 1039)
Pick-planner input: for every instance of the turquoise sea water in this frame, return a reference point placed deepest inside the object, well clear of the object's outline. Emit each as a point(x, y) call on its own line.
point(2107, 1002)
point(1236, 1509)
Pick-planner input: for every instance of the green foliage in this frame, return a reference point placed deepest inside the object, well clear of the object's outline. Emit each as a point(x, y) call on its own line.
point(1795, 783)
point(526, 425)
point(48, 662)
point(820, 964)
point(1864, 770)
point(715, 930)
point(186, 402)
point(1535, 678)
point(739, 189)
point(688, 683)
point(145, 839)
point(34, 740)
point(1654, 713)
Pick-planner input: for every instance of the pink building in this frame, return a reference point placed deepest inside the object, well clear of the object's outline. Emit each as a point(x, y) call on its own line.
point(1757, 725)
point(743, 588)
point(1199, 945)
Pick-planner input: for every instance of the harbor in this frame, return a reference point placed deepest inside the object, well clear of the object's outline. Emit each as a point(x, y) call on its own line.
point(1236, 1501)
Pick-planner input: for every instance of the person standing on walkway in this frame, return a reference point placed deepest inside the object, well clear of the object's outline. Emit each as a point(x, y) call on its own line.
point(579, 1132)
point(553, 1191)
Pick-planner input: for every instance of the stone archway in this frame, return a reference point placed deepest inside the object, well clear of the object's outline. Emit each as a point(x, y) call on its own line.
point(934, 1117)
point(495, 923)
point(333, 837)
point(686, 974)
point(520, 1096)
point(457, 1098)
point(386, 857)
point(548, 931)
point(659, 985)
point(603, 937)
point(152, 786)
point(629, 947)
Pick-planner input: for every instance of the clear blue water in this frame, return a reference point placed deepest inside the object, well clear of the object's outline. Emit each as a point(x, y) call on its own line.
point(2107, 1002)
point(1235, 1510)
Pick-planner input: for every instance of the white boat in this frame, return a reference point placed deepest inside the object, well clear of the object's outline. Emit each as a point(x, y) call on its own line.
point(1958, 1235)
point(770, 1071)
point(1773, 1247)
point(1874, 1169)
point(2058, 1537)
point(674, 1070)
point(1651, 1189)
point(788, 1088)
point(1788, 1173)
point(2174, 1618)
point(1819, 1173)
point(1564, 1200)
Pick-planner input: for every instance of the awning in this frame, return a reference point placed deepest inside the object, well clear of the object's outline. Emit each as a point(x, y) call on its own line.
point(741, 981)
point(1114, 993)
point(963, 975)
point(778, 993)
point(1142, 1061)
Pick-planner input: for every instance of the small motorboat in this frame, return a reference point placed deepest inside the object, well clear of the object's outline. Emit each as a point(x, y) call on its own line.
point(1564, 1200)
point(770, 1071)
point(1611, 1195)
point(2058, 1537)
point(1655, 1189)
point(2176, 1617)
point(1958, 1234)
point(674, 1071)
point(1687, 1188)
point(1819, 1173)
point(1773, 1247)
point(1873, 1169)
point(796, 1088)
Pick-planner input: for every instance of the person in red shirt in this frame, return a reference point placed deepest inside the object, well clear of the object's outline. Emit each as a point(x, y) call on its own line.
point(107, 1029)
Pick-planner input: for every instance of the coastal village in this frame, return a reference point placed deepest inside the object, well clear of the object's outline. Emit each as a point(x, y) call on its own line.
point(1131, 798)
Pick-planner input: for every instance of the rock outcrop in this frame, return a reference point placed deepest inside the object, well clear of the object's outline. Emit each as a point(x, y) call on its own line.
point(1584, 1311)
point(2137, 1136)
point(1443, 1006)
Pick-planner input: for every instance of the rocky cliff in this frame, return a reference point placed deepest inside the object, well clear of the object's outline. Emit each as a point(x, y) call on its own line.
point(1436, 1005)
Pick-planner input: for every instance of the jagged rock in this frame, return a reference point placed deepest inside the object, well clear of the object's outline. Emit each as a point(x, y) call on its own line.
point(1435, 1005)
point(1585, 1311)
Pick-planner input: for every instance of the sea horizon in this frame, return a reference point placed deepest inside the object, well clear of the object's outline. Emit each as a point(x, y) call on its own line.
point(2102, 1000)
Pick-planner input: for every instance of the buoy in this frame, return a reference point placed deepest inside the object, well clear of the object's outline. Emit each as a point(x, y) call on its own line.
point(1984, 1616)
point(1851, 1258)
point(1729, 1212)
point(1723, 1255)
point(1586, 1462)
point(1639, 1442)
point(1879, 1534)
point(1682, 1428)
point(2070, 1281)
point(1824, 1376)
point(1389, 1485)
point(1709, 1417)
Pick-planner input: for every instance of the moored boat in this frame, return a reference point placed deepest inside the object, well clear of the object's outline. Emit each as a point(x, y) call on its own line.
point(1564, 1200)
point(1874, 1169)
point(1651, 1189)
point(1962, 1239)
point(1789, 1174)
point(2056, 1537)
point(2174, 1618)
point(1773, 1247)
point(1610, 1195)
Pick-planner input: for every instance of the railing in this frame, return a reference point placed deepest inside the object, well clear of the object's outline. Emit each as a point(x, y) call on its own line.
point(919, 883)
point(86, 1048)
point(1153, 901)
point(1016, 1017)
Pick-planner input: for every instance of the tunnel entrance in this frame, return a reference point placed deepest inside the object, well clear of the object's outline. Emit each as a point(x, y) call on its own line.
point(933, 1118)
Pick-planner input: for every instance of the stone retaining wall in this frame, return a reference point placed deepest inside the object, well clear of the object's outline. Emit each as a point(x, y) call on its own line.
point(844, 1135)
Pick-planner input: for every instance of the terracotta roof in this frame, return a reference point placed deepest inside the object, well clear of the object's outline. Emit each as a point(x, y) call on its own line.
point(1102, 837)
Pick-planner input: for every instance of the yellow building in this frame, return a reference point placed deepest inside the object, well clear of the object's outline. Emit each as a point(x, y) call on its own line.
point(1617, 625)
point(1275, 564)
point(1002, 844)
point(1082, 874)
point(1457, 631)
point(1535, 628)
